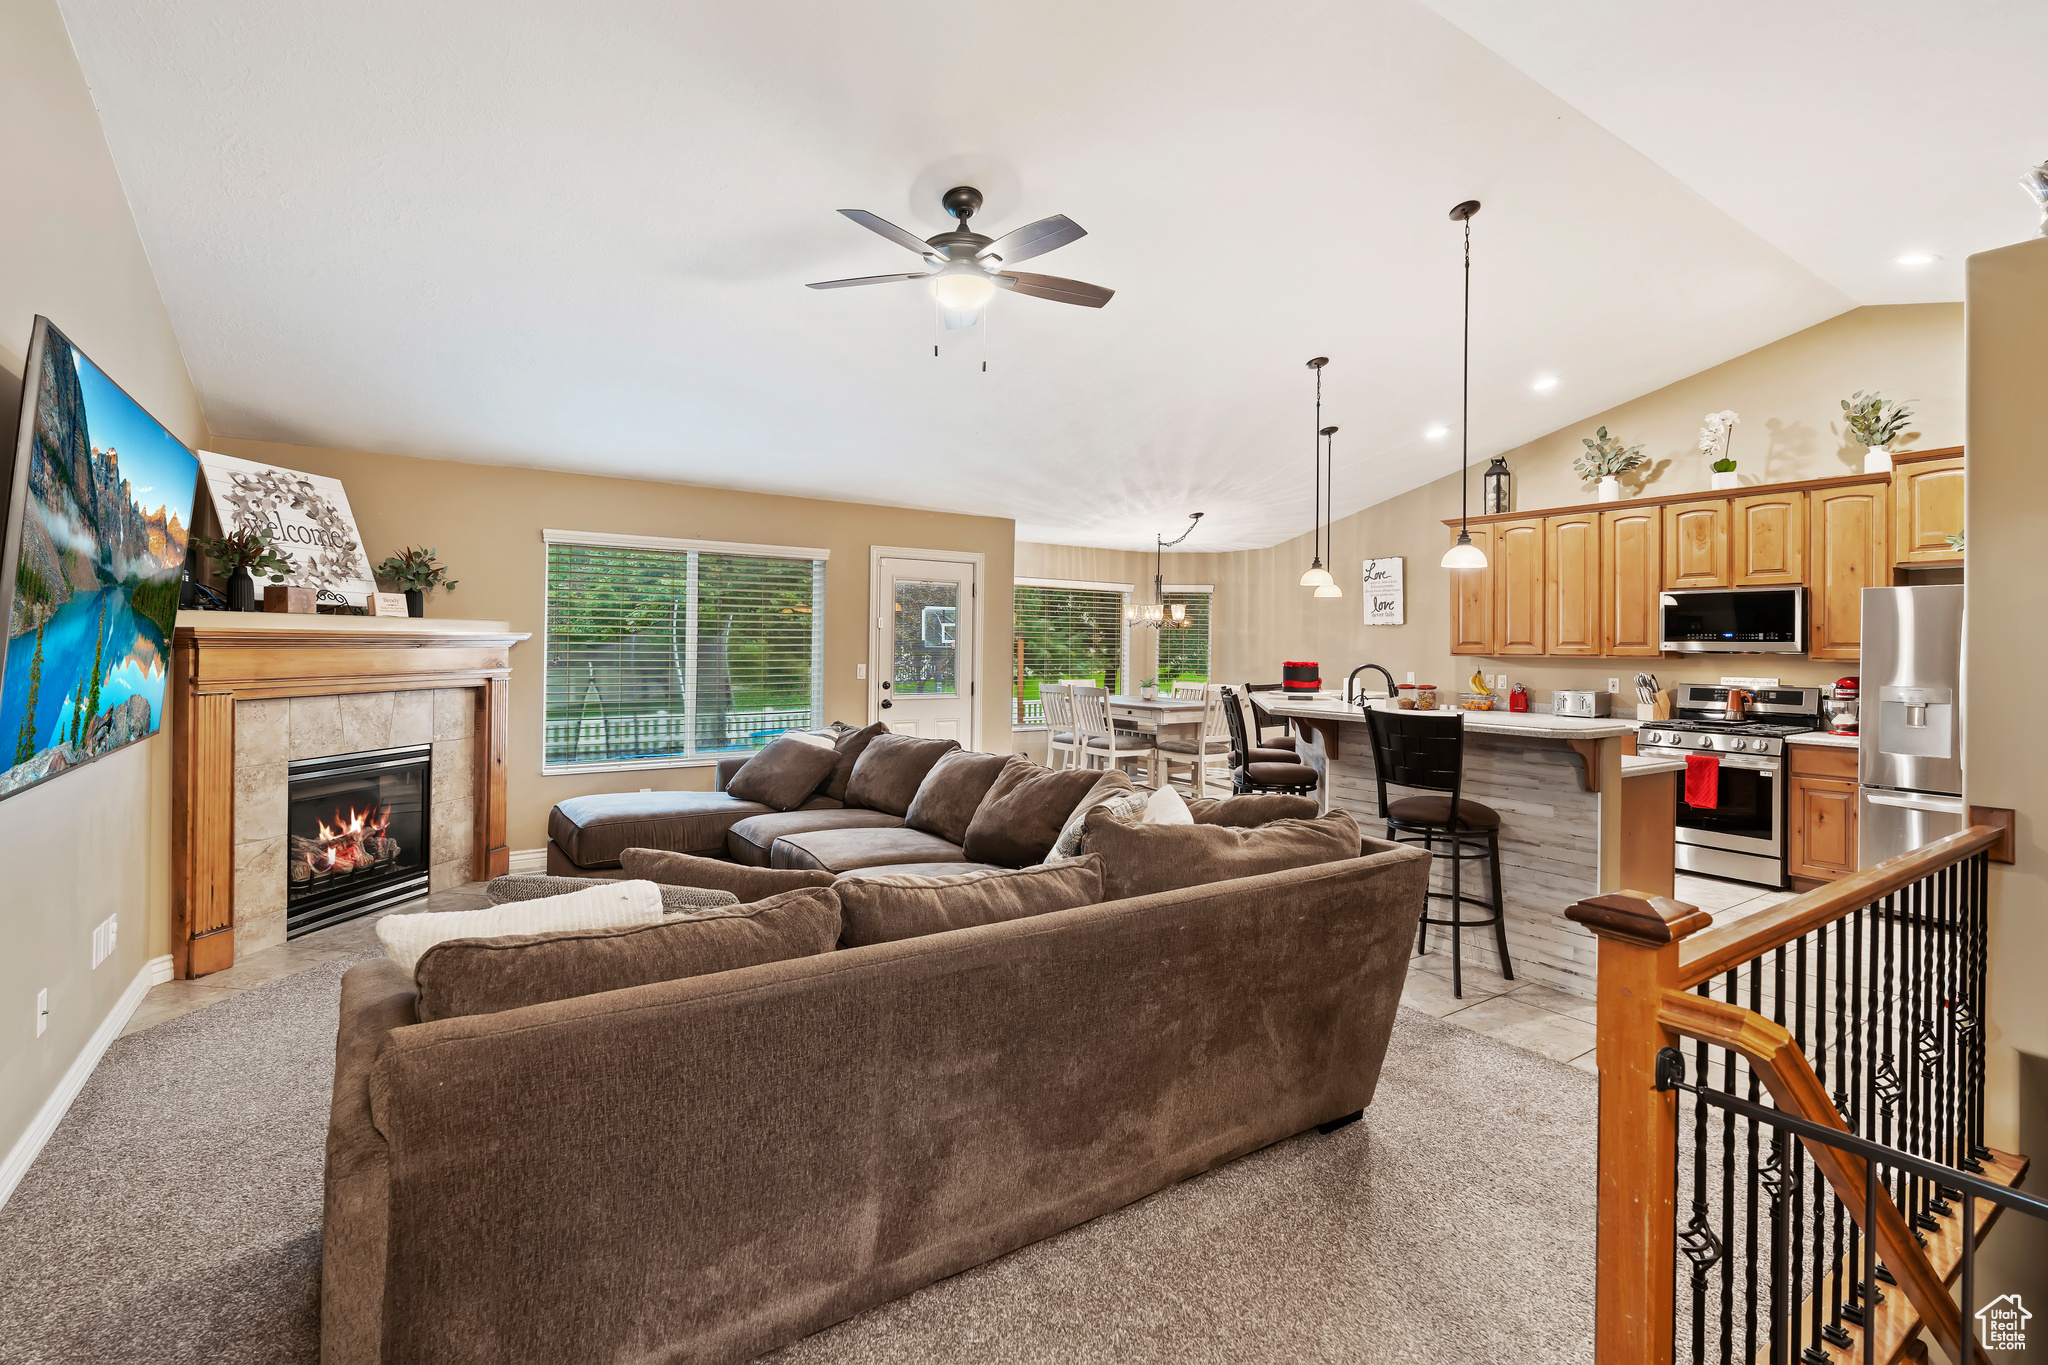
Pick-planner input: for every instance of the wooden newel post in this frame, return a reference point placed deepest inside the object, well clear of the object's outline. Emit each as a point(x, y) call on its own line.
point(1639, 938)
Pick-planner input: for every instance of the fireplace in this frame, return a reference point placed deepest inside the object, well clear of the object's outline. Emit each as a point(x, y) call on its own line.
point(358, 835)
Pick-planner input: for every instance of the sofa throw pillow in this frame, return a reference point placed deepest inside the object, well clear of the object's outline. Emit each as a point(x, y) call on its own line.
point(1020, 819)
point(884, 909)
point(1139, 859)
point(890, 770)
point(611, 905)
point(486, 975)
point(1247, 811)
point(533, 886)
point(783, 775)
point(1112, 790)
point(673, 871)
point(1167, 807)
point(952, 792)
point(848, 744)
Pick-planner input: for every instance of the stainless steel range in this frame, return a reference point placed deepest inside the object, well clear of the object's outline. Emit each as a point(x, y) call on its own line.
point(1742, 836)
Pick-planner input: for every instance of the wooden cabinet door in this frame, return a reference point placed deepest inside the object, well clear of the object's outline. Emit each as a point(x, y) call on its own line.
point(1823, 835)
point(1846, 544)
point(1696, 544)
point(1472, 599)
point(1571, 583)
point(1518, 586)
point(1927, 508)
point(1631, 568)
point(1769, 539)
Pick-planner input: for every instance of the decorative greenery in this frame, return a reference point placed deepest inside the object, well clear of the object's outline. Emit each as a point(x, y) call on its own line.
point(1874, 421)
point(249, 548)
point(1955, 541)
point(1605, 457)
point(1716, 431)
point(414, 569)
point(1149, 682)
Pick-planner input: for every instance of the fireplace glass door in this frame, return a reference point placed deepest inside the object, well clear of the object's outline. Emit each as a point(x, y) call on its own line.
point(358, 835)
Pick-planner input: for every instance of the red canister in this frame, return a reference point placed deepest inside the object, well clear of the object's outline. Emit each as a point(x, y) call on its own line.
point(1301, 676)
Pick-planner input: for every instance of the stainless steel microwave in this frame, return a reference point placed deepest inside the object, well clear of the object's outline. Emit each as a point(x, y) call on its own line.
point(1732, 621)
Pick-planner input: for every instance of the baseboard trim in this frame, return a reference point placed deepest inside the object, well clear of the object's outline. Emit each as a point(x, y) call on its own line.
point(30, 1144)
point(528, 860)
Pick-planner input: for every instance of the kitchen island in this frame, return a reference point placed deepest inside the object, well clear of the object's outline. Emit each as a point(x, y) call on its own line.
point(1563, 795)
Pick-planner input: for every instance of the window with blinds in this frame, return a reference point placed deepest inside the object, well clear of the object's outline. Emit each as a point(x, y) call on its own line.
point(1064, 633)
point(1184, 650)
point(663, 652)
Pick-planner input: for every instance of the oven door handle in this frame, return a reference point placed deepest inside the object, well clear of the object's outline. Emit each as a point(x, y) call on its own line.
point(1755, 765)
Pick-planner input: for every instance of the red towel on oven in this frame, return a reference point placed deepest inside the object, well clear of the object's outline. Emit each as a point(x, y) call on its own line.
point(1702, 781)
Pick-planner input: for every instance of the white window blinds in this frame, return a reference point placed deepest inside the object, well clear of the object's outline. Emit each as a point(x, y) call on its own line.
point(1184, 650)
point(1064, 633)
point(666, 651)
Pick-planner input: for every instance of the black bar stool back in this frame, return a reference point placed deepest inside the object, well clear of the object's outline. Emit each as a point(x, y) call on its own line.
point(1425, 751)
point(1262, 770)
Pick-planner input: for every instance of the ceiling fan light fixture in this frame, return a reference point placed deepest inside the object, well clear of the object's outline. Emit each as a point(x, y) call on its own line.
point(963, 291)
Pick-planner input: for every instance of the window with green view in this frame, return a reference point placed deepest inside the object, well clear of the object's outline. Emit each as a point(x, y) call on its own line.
point(1064, 633)
point(657, 654)
point(1184, 650)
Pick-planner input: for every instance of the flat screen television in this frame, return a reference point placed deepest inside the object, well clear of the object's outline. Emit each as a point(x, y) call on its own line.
point(99, 505)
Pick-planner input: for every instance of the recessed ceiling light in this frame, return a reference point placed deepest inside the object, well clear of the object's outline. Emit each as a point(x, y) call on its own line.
point(1437, 433)
point(1544, 382)
point(1916, 258)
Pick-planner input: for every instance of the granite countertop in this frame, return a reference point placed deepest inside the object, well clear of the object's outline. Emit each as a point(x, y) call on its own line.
point(1524, 724)
point(1645, 765)
point(1822, 737)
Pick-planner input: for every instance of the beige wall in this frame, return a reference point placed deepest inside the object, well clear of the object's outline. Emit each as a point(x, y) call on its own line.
point(486, 522)
point(95, 842)
point(2005, 653)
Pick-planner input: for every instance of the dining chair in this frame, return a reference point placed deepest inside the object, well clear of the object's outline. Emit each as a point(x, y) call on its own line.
point(1098, 738)
point(1189, 691)
point(1210, 749)
point(1060, 742)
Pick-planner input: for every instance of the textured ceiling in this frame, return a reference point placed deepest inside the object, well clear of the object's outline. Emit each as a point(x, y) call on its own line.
point(575, 236)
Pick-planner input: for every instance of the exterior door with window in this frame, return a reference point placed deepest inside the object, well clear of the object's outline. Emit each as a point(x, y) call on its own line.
point(925, 625)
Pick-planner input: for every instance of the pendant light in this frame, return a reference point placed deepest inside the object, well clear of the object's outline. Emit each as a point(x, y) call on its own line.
point(1331, 588)
point(1156, 614)
point(1316, 576)
point(1464, 554)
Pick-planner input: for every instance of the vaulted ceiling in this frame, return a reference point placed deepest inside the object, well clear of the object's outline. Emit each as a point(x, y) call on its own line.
point(575, 236)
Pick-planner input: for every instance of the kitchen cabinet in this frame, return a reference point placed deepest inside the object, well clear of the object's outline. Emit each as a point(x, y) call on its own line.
point(1631, 572)
point(1820, 838)
point(1848, 533)
point(1696, 537)
point(1927, 508)
point(1472, 600)
point(1571, 583)
point(1518, 586)
point(1768, 539)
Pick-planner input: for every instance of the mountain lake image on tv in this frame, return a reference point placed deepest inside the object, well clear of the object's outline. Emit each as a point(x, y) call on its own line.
point(99, 510)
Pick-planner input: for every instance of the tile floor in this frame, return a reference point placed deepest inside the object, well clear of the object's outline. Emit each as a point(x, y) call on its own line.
point(1552, 1022)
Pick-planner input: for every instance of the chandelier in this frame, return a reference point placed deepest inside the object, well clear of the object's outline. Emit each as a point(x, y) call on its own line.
point(1156, 614)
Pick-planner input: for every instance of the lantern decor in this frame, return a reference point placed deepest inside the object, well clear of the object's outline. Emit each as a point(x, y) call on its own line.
point(1497, 488)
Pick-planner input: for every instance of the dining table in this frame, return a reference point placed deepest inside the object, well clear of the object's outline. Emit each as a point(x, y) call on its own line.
point(1163, 717)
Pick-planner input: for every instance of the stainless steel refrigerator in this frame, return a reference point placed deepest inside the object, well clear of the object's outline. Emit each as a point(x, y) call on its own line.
point(1910, 759)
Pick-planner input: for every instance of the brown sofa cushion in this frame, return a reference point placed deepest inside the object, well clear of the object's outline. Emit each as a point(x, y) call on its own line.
point(888, 773)
point(715, 874)
point(486, 975)
point(916, 870)
point(884, 909)
point(850, 744)
point(1246, 811)
point(1022, 814)
point(1110, 786)
point(592, 831)
point(785, 774)
point(952, 792)
point(750, 840)
point(843, 850)
point(1139, 859)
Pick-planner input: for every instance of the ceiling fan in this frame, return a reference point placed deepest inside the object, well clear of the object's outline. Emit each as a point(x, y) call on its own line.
point(966, 268)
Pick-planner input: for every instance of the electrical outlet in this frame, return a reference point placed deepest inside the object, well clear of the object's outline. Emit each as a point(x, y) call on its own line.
point(42, 1010)
point(860, 672)
point(1614, 687)
point(1411, 676)
point(103, 939)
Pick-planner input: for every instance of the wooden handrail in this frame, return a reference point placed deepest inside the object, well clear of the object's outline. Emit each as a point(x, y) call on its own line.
point(1777, 1061)
point(1717, 950)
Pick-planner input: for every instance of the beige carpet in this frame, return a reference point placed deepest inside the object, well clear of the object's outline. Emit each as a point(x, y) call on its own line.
point(175, 1216)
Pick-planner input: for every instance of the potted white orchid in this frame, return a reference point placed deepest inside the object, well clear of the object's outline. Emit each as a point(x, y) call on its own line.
point(1716, 431)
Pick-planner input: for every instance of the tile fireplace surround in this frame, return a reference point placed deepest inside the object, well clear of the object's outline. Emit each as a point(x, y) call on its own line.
point(249, 693)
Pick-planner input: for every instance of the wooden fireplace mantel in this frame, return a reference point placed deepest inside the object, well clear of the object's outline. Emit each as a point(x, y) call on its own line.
point(219, 658)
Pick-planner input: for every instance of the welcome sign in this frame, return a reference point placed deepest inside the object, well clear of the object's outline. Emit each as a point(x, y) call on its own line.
point(1385, 602)
point(308, 518)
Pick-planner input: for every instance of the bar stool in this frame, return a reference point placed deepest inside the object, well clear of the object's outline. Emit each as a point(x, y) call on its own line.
point(1426, 752)
point(1285, 739)
point(1262, 770)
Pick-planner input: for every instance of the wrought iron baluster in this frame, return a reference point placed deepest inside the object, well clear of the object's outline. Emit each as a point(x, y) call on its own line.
point(1755, 1175)
point(1832, 1331)
point(1728, 1194)
point(1781, 1253)
point(1979, 934)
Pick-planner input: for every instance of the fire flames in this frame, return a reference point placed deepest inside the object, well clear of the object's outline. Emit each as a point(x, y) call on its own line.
point(356, 840)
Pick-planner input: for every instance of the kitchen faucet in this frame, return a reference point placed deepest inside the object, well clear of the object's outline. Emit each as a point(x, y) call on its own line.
point(1351, 684)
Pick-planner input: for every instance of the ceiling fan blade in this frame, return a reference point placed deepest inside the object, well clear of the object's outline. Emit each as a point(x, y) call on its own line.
point(1033, 239)
point(899, 236)
point(1054, 288)
point(867, 279)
